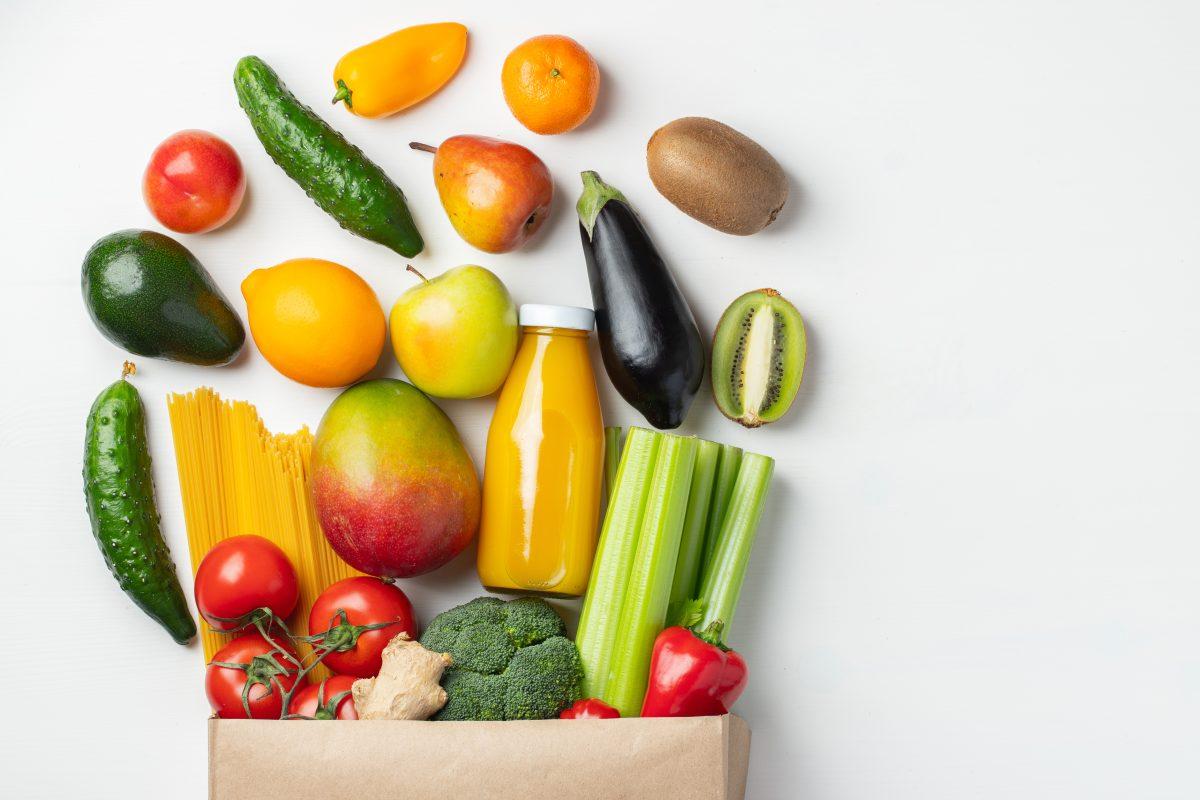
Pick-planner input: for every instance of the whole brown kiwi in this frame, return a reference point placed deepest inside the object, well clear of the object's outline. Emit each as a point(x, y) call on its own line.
point(717, 175)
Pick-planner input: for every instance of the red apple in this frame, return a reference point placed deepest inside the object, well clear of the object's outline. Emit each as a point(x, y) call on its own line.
point(194, 182)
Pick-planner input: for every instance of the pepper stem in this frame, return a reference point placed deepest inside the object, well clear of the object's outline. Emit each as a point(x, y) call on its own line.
point(417, 272)
point(425, 148)
point(711, 633)
point(344, 95)
point(595, 194)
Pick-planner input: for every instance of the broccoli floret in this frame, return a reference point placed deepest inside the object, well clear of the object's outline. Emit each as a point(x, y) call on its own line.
point(473, 634)
point(511, 660)
point(471, 696)
point(482, 647)
point(542, 679)
point(529, 620)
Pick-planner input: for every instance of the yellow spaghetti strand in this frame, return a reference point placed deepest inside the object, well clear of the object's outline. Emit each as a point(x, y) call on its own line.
point(236, 477)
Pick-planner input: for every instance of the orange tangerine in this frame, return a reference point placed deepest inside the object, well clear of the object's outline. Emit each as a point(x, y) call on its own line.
point(550, 83)
point(315, 321)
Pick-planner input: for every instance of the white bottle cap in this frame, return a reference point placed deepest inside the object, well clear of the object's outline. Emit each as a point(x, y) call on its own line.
point(537, 315)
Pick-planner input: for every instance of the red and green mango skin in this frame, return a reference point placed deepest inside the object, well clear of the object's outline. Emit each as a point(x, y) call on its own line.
point(396, 493)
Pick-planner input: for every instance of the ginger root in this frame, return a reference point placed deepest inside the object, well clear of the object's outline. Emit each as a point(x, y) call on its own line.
point(408, 685)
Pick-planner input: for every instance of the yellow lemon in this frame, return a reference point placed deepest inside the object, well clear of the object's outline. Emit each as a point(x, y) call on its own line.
point(317, 322)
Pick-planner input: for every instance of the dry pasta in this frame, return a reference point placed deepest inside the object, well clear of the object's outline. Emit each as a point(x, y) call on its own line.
point(236, 477)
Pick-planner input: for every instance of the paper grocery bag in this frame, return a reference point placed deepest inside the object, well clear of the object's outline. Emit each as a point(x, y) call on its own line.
point(687, 758)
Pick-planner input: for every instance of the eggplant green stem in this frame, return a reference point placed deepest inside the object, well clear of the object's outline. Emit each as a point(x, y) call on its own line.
point(595, 194)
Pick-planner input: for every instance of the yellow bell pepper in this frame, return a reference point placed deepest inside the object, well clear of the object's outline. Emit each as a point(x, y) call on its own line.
point(399, 70)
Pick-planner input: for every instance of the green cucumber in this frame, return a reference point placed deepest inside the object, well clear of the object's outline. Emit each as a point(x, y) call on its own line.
point(120, 502)
point(333, 172)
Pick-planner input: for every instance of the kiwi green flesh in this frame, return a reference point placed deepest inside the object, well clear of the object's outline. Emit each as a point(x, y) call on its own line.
point(758, 358)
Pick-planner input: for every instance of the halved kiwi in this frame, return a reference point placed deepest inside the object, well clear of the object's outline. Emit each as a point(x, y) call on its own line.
point(758, 357)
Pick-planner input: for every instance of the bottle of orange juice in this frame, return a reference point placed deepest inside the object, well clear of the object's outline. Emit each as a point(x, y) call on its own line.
point(545, 456)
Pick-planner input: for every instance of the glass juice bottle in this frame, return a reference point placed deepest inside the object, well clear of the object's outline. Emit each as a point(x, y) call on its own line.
point(544, 463)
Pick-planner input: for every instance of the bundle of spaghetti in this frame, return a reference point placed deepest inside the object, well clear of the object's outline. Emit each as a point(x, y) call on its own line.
point(236, 477)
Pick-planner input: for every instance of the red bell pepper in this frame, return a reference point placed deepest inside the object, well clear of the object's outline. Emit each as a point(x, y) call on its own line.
point(693, 674)
point(590, 708)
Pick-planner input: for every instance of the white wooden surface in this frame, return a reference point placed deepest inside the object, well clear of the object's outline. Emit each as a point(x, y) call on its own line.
point(978, 574)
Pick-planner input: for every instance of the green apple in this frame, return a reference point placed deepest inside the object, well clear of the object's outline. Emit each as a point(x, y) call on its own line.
point(456, 335)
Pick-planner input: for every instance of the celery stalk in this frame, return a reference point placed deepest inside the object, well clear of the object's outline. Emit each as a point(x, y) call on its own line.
point(721, 583)
point(597, 631)
point(691, 543)
point(612, 458)
point(648, 590)
point(727, 471)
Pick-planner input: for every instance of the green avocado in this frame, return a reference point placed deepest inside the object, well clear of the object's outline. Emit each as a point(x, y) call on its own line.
point(148, 294)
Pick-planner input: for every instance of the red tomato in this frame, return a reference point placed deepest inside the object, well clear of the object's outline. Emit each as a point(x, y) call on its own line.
point(243, 573)
point(590, 708)
point(366, 601)
point(194, 182)
point(306, 702)
point(224, 685)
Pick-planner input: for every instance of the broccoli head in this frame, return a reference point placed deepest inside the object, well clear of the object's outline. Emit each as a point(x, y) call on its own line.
point(512, 660)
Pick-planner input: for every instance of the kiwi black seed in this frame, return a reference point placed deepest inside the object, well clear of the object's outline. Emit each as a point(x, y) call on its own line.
point(757, 360)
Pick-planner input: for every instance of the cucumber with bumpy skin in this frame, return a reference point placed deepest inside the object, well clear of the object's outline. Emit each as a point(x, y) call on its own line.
point(334, 173)
point(120, 502)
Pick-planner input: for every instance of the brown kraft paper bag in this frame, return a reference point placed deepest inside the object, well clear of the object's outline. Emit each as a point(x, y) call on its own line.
point(684, 758)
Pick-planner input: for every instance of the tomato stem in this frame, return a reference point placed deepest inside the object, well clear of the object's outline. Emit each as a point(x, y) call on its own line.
point(262, 670)
point(266, 615)
point(246, 620)
point(340, 637)
point(301, 676)
point(265, 669)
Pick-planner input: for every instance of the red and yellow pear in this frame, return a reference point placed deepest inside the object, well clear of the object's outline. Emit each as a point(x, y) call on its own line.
point(496, 193)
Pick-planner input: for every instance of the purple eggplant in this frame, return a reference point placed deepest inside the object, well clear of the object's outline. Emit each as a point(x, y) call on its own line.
point(648, 337)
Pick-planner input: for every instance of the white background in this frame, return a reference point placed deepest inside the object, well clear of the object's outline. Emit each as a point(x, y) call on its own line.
point(979, 572)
